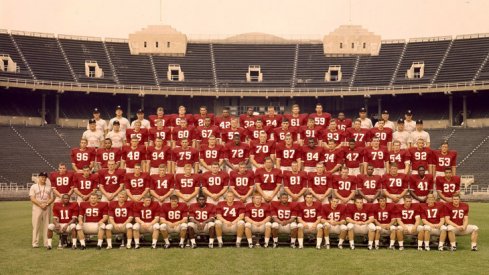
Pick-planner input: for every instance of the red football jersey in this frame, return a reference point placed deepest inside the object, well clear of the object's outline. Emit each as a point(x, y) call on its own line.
point(103, 155)
point(257, 214)
point(280, 133)
point(247, 121)
point(343, 124)
point(421, 186)
point(284, 211)
point(384, 215)
point(223, 122)
point(268, 179)
point(242, 183)
point(132, 156)
point(203, 133)
point(202, 214)
point(400, 158)
point(296, 121)
point(338, 136)
point(353, 158)
point(185, 156)
point(86, 185)
point(158, 156)
point(321, 120)
point(295, 181)
point(369, 185)
point(376, 157)
point(448, 187)
point(332, 158)
point(262, 150)
point(272, 121)
point(319, 183)
point(419, 158)
point(361, 136)
point(228, 134)
point(199, 120)
point(178, 133)
point(164, 133)
point(142, 135)
point(180, 212)
point(177, 118)
point(253, 133)
point(120, 213)
point(230, 212)
point(309, 213)
point(385, 135)
point(443, 161)
point(93, 213)
point(146, 213)
point(344, 187)
point(311, 156)
point(457, 214)
point(433, 213)
point(82, 158)
point(408, 215)
point(136, 184)
point(111, 181)
point(153, 119)
point(211, 155)
point(305, 133)
point(288, 154)
point(237, 153)
point(337, 214)
point(395, 184)
point(62, 182)
point(356, 214)
point(215, 182)
point(162, 185)
point(186, 185)
point(65, 213)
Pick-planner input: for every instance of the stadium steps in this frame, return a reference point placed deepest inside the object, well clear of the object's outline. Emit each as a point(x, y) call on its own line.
point(403, 53)
point(71, 137)
point(475, 163)
point(153, 68)
point(442, 62)
point(294, 72)
point(355, 70)
point(66, 60)
point(214, 71)
point(10, 47)
point(483, 70)
point(112, 67)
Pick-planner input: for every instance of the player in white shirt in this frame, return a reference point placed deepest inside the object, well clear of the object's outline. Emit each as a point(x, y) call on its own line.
point(101, 123)
point(124, 122)
point(366, 123)
point(94, 137)
point(117, 136)
point(140, 117)
point(419, 133)
point(401, 135)
point(409, 123)
point(388, 123)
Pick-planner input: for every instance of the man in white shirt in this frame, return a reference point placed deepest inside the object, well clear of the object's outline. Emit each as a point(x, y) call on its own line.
point(94, 137)
point(101, 124)
point(124, 123)
point(41, 196)
point(366, 123)
point(409, 123)
point(140, 117)
point(388, 123)
point(401, 135)
point(419, 133)
point(117, 136)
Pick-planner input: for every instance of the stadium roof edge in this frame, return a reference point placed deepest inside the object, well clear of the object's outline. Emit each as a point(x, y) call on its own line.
point(77, 37)
point(470, 36)
point(430, 39)
point(36, 34)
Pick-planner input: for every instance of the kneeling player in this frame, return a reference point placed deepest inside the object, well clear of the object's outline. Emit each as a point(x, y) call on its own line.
point(432, 215)
point(65, 214)
point(91, 220)
point(173, 218)
point(360, 221)
point(457, 219)
point(309, 220)
point(230, 215)
point(201, 220)
point(120, 218)
point(284, 216)
point(408, 220)
point(334, 221)
point(257, 218)
point(385, 220)
point(146, 214)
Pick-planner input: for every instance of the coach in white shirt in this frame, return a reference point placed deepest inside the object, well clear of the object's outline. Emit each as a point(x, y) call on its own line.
point(41, 196)
point(366, 123)
point(123, 122)
point(388, 123)
point(101, 123)
point(409, 123)
point(419, 133)
point(140, 117)
point(117, 137)
point(401, 135)
point(94, 137)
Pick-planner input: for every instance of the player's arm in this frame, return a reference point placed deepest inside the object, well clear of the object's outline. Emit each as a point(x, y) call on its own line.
point(129, 194)
point(253, 161)
point(155, 220)
point(207, 192)
point(277, 188)
point(104, 219)
point(259, 189)
point(418, 221)
point(443, 197)
point(138, 220)
point(350, 220)
point(194, 194)
point(336, 168)
point(146, 191)
point(204, 164)
point(413, 194)
point(111, 221)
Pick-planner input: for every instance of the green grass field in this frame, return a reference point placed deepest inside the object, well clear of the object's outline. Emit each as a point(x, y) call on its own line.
point(17, 256)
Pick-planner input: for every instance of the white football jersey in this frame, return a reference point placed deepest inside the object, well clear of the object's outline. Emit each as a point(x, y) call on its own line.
point(94, 138)
point(118, 138)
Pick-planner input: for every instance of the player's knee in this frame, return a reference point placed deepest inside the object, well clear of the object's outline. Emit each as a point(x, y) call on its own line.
point(102, 226)
point(136, 227)
point(450, 228)
point(71, 227)
point(371, 227)
point(350, 226)
point(129, 225)
point(163, 227)
point(183, 226)
point(248, 225)
point(51, 226)
point(109, 227)
point(427, 228)
point(419, 228)
point(156, 226)
point(443, 228)
point(218, 222)
point(211, 224)
point(327, 225)
point(241, 223)
point(319, 226)
point(79, 227)
point(393, 228)
point(293, 225)
point(191, 224)
point(300, 225)
point(268, 224)
point(476, 228)
point(343, 227)
point(275, 225)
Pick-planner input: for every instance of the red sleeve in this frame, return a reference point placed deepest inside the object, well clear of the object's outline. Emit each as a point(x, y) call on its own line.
point(75, 209)
point(111, 209)
point(247, 211)
point(191, 211)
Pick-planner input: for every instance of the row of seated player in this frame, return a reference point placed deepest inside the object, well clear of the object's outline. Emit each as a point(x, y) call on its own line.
point(232, 217)
point(242, 183)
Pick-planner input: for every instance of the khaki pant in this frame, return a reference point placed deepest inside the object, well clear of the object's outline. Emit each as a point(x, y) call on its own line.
point(40, 222)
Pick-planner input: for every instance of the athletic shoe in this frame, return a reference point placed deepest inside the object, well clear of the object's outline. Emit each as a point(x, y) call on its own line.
point(328, 247)
point(238, 245)
point(453, 248)
point(370, 247)
point(128, 246)
point(401, 248)
point(352, 247)
point(250, 246)
point(49, 247)
point(265, 245)
point(166, 246)
point(136, 246)
point(182, 246)
point(123, 245)
point(440, 248)
point(318, 247)
point(292, 246)
point(153, 246)
point(257, 245)
point(211, 245)
point(474, 248)
point(73, 247)
point(99, 247)
point(82, 247)
point(427, 248)
point(275, 244)
point(35, 246)
point(109, 247)
point(220, 245)
point(301, 247)
point(340, 246)
point(376, 247)
point(391, 247)
point(194, 246)
point(420, 248)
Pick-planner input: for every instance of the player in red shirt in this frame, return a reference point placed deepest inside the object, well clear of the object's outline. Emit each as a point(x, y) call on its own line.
point(311, 155)
point(253, 132)
point(160, 131)
point(82, 156)
point(162, 185)
point(248, 119)
point(202, 216)
point(395, 185)
point(182, 115)
point(199, 119)
point(181, 156)
point(137, 184)
point(309, 220)
point(334, 221)
point(210, 153)
point(268, 181)
point(384, 134)
point(279, 133)
point(160, 116)
point(420, 185)
point(319, 184)
point(111, 181)
point(62, 182)
point(457, 220)
point(187, 185)
point(229, 218)
point(85, 184)
point(408, 222)
point(401, 157)
point(353, 158)
point(242, 183)
point(376, 156)
point(224, 121)
point(369, 185)
point(146, 217)
point(385, 220)
point(157, 155)
point(361, 221)
point(183, 131)
point(447, 186)
point(236, 152)
point(260, 150)
point(359, 134)
point(141, 134)
point(321, 118)
point(342, 122)
point(284, 216)
point(120, 218)
point(433, 218)
point(443, 159)
point(332, 133)
point(133, 154)
point(333, 157)
point(173, 219)
point(344, 186)
point(257, 218)
point(215, 183)
point(65, 216)
point(286, 153)
point(310, 130)
point(228, 134)
point(205, 132)
point(421, 156)
point(271, 119)
point(92, 217)
point(103, 155)
point(295, 118)
point(295, 183)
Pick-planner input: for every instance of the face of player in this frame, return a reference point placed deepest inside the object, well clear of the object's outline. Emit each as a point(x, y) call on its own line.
point(134, 143)
point(310, 123)
point(236, 139)
point(331, 144)
point(288, 140)
point(396, 146)
point(225, 113)
point(420, 143)
point(159, 124)
point(137, 125)
point(201, 201)
point(107, 144)
point(456, 201)
point(242, 169)
point(229, 197)
point(381, 124)
point(332, 126)
point(118, 112)
point(83, 144)
point(309, 199)
point(86, 172)
point(431, 199)
point(212, 141)
point(320, 168)
point(137, 170)
point(295, 110)
point(311, 143)
point(370, 170)
point(448, 173)
point(147, 201)
point(407, 202)
point(259, 124)
point(263, 137)
point(203, 111)
point(162, 171)
point(357, 125)
point(285, 125)
point(93, 199)
point(271, 111)
point(344, 173)
point(184, 143)
point(174, 203)
point(215, 169)
point(207, 122)
point(160, 112)
point(234, 123)
point(62, 169)
point(65, 199)
point(183, 123)
point(341, 116)
point(359, 203)
point(249, 111)
point(351, 144)
point(268, 164)
point(421, 171)
point(284, 199)
point(295, 167)
point(393, 170)
point(257, 200)
point(334, 203)
point(444, 148)
point(111, 165)
point(121, 198)
point(319, 109)
point(182, 110)
point(375, 143)
point(93, 126)
point(187, 169)
point(158, 143)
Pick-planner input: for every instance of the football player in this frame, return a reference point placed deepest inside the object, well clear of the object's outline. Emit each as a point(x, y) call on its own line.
point(138, 132)
point(183, 155)
point(286, 153)
point(146, 217)
point(85, 184)
point(82, 156)
point(236, 152)
point(361, 221)
point(353, 158)
point(257, 218)
point(157, 155)
point(295, 183)
point(385, 220)
point(62, 182)
point(120, 218)
point(421, 184)
point(321, 118)
point(377, 156)
point(395, 185)
point(65, 216)
point(111, 181)
point(268, 180)
point(242, 183)
point(447, 186)
point(443, 159)
point(137, 184)
point(334, 221)
point(319, 184)
point(91, 220)
point(344, 186)
point(173, 219)
point(408, 222)
point(284, 216)
point(215, 183)
point(202, 220)
point(311, 155)
point(103, 155)
point(162, 185)
point(230, 218)
point(309, 220)
point(187, 185)
point(369, 185)
point(260, 150)
point(202, 116)
point(457, 220)
point(433, 217)
point(133, 154)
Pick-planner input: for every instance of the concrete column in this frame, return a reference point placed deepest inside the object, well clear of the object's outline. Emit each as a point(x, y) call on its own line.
point(450, 110)
point(128, 115)
point(43, 108)
point(379, 107)
point(56, 109)
point(366, 104)
point(464, 106)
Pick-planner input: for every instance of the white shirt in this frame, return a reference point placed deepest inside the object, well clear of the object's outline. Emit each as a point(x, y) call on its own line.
point(123, 122)
point(414, 136)
point(101, 125)
point(366, 123)
point(409, 126)
point(144, 123)
point(388, 124)
point(118, 139)
point(41, 193)
point(403, 137)
point(94, 138)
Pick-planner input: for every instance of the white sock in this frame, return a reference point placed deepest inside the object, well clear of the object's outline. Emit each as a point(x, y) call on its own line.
point(154, 241)
point(73, 241)
point(340, 241)
point(275, 240)
point(82, 242)
point(301, 241)
point(473, 244)
point(211, 240)
point(129, 241)
point(50, 242)
point(182, 240)
point(250, 241)
point(440, 244)
point(292, 240)
point(420, 243)
point(192, 241)
point(370, 243)
point(136, 240)
point(352, 243)
point(167, 241)
point(319, 241)
point(401, 243)
point(99, 242)
point(238, 239)
point(327, 240)
point(267, 240)
point(219, 239)
point(377, 242)
point(109, 242)
point(426, 243)
point(393, 242)
point(453, 244)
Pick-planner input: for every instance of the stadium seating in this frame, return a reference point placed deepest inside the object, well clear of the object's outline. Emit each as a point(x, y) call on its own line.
point(7, 47)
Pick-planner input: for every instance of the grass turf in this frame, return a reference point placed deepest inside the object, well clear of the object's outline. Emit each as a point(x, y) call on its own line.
point(17, 256)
